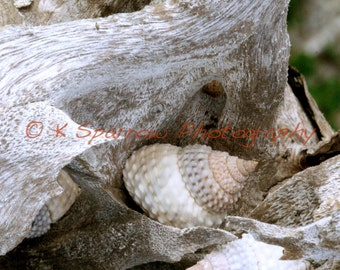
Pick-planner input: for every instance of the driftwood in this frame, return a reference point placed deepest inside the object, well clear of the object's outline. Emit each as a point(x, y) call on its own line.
point(179, 69)
point(43, 12)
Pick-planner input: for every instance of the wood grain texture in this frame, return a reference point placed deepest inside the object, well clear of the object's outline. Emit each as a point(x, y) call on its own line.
point(113, 74)
point(139, 71)
point(44, 12)
point(288, 204)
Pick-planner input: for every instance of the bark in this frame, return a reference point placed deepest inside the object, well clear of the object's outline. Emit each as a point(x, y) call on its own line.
point(151, 70)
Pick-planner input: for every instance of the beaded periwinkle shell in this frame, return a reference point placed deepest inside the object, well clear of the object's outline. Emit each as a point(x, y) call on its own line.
point(185, 187)
point(249, 254)
point(56, 207)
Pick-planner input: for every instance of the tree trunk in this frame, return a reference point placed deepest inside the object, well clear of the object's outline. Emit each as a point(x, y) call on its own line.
point(174, 65)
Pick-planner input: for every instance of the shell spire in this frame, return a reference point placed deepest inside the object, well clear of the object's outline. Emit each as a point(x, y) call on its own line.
point(188, 186)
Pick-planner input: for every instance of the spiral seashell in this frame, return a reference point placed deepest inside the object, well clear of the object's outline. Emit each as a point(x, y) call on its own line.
point(247, 253)
point(41, 223)
point(56, 207)
point(185, 187)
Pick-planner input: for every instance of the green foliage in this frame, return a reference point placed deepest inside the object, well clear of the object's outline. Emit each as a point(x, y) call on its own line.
point(325, 89)
point(293, 13)
point(305, 63)
point(327, 95)
point(330, 54)
point(322, 71)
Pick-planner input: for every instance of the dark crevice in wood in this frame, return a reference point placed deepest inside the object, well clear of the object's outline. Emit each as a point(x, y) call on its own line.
point(296, 82)
point(326, 151)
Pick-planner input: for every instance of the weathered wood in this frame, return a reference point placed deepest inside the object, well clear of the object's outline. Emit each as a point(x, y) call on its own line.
point(148, 70)
point(317, 241)
point(43, 12)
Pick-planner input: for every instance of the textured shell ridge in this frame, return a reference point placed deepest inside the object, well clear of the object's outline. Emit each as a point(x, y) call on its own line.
point(56, 207)
point(183, 187)
point(161, 187)
point(218, 164)
point(59, 205)
point(41, 223)
point(247, 253)
point(199, 178)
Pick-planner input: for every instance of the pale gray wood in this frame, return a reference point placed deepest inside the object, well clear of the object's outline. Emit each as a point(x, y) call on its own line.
point(140, 71)
point(43, 12)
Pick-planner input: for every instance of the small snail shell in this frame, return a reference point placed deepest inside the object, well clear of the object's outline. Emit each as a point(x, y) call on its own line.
point(247, 253)
point(41, 223)
point(56, 207)
point(185, 187)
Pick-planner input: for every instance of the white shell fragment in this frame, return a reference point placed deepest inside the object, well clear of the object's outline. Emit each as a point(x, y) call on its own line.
point(56, 207)
point(249, 254)
point(22, 3)
point(185, 187)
